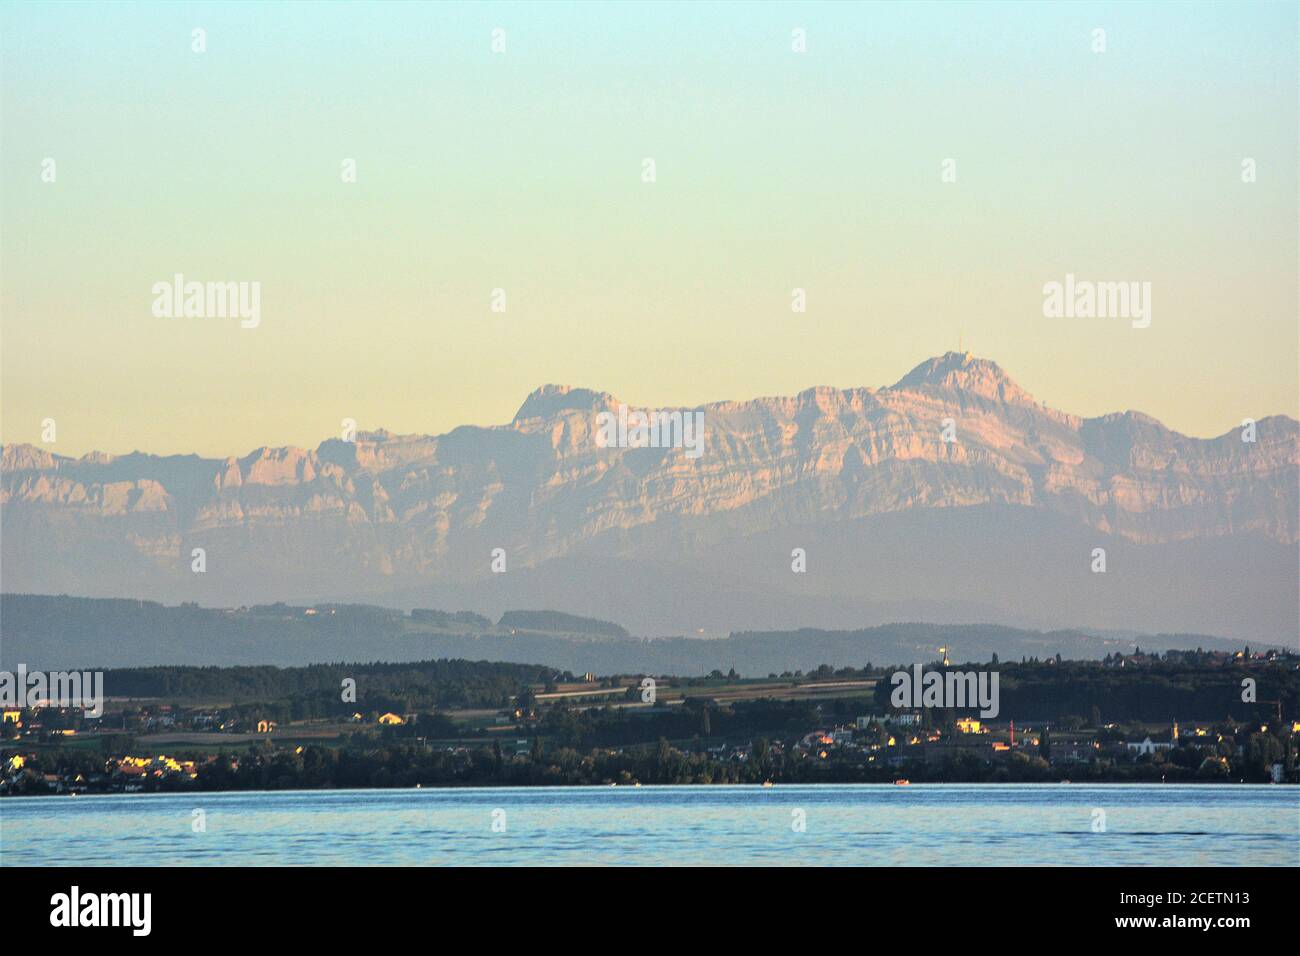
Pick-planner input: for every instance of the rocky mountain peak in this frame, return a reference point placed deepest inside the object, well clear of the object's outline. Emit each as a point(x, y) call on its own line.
point(549, 400)
point(962, 371)
point(25, 457)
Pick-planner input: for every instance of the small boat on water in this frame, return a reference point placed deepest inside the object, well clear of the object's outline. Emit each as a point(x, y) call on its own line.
point(902, 782)
point(768, 783)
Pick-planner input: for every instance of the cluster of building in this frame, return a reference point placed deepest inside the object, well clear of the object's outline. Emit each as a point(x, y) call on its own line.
point(124, 774)
point(901, 738)
point(1198, 657)
point(54, 721)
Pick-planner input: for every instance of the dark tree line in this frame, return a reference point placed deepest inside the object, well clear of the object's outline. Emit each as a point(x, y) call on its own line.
point(1090, 691)
point(316, 690)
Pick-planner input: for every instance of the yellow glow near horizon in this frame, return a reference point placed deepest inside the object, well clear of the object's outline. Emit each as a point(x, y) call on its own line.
point(776, 171)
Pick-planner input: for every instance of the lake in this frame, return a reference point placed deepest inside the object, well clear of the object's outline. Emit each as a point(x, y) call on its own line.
point(920, 825)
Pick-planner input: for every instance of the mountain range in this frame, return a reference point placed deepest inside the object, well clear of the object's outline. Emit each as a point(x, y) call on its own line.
point(951, 496)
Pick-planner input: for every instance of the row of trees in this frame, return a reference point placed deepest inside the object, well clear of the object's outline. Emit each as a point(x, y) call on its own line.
point(316, 690)
point(1086, 693)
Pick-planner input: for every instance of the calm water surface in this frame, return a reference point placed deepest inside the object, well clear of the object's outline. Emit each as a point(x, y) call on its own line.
point(950, 825)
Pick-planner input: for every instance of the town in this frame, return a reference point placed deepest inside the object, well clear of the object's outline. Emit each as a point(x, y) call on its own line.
point(1177, 717)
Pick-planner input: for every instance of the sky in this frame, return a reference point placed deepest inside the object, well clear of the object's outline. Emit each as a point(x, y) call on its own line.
point(523, 171)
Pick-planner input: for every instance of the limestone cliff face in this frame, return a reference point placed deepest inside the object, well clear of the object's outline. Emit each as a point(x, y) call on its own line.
point(420, 507)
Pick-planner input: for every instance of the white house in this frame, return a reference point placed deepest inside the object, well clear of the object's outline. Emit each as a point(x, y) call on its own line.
point(1148, 746)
